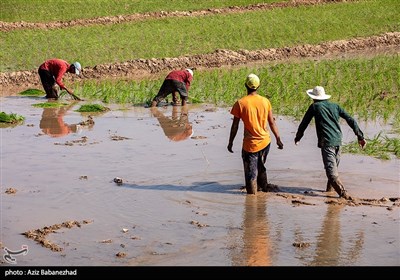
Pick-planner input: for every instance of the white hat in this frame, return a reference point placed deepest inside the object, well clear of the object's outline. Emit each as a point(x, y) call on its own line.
point(318, 93)
point(78, 67)
point(190, 71)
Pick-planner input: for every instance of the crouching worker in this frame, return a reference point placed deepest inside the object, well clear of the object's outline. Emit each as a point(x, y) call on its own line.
point(51, 73)
point(177, 82)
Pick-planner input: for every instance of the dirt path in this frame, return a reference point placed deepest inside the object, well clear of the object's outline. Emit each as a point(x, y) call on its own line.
point(13, 82)
point(9, 26)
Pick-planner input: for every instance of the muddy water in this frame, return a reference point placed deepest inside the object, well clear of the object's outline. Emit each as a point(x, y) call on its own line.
point(181, 201)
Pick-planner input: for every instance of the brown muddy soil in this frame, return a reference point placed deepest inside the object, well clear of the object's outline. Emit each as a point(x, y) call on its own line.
point(9, 26)
point(13, 82)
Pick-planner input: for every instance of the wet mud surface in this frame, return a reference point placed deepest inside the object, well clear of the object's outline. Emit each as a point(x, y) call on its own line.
point(181, 202)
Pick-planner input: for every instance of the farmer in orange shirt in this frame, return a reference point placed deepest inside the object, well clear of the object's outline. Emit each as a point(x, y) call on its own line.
point(256, 112)
point(51, 73)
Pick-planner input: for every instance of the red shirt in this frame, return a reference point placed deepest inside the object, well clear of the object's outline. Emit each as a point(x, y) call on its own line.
point(57, 67)
point(181, 76)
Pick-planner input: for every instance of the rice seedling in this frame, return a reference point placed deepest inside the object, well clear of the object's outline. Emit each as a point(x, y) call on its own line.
point(380, 146)
point(92, 108)
point(54, 104)
point(32, 92)
point(11, 118)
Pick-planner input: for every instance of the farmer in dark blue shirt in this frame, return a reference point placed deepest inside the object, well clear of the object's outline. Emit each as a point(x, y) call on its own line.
point(327, 116)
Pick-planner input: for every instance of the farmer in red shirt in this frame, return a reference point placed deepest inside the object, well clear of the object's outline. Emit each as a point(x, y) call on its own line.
point(177, 81)
point(51, 73)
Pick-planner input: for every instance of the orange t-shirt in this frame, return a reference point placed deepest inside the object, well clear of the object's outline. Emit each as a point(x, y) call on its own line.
point(253, 110)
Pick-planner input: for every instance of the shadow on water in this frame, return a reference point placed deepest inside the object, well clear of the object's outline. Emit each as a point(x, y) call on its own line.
point(215, 187)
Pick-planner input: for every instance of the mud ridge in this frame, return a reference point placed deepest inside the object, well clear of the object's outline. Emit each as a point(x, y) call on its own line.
point(139, 68)
point(9, 26)
point(39, 235)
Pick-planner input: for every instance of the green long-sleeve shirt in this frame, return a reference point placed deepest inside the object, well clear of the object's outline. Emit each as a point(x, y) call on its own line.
point(327, 115)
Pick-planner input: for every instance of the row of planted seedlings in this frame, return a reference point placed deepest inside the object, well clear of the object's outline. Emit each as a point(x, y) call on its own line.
point(157, 38)
point(367, 88)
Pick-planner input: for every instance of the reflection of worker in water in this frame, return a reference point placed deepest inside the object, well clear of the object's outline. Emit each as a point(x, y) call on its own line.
point(52, 122)
point(256, 245)
point(329, 251)
point(330, 245)
point(176, 127)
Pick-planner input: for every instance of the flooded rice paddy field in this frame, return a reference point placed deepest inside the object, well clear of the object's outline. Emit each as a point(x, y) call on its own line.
point(180, 202)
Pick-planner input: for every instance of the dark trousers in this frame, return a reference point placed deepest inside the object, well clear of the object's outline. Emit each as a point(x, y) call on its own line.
point(174, 87)
point(255, 172)
point(48, 83)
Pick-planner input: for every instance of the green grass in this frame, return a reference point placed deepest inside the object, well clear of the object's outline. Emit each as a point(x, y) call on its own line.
point(38, 10)
point(159, 38)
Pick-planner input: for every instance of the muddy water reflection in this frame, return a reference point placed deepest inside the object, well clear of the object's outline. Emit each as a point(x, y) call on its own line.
point(256, 240)
point(52, 122)
point(330, 247)
point(168, 185)
point(176, 127)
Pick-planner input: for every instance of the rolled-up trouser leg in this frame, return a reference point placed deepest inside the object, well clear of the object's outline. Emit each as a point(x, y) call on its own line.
point(338, 186)
point(262, 178)
point(254, 169)
point(253, 187)
point(262, 181)
point(250, 171)
point(331, 159)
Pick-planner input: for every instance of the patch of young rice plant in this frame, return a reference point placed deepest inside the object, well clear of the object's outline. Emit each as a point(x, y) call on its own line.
point(32, 92)
point(380, 146)
point(92, 108)
point(55, 104)
point(11, 118)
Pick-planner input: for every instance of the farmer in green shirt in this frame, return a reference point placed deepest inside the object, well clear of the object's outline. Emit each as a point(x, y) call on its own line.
point(327, 116)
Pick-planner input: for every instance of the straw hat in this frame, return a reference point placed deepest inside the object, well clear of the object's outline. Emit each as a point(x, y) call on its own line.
point(318, 93)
